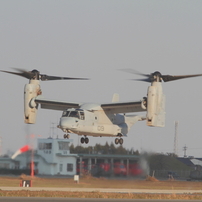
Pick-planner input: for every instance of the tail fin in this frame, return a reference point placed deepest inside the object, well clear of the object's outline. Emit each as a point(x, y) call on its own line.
point(115, 97)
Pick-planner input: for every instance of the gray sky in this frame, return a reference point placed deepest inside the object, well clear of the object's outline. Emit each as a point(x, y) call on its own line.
point(93, 39)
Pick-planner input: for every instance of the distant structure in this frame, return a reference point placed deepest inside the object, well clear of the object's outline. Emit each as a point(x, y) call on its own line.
point(185, 151)
point(176, 139)
point(0, 146)
point(52, 130)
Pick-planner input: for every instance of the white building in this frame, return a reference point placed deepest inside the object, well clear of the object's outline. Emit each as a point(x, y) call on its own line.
point(52, 157)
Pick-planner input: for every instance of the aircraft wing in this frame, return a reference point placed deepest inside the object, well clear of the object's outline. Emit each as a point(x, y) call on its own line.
point(55, 105)
point(123, 107)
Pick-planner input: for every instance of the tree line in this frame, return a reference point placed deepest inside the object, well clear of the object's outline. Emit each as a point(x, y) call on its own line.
point(103, 149)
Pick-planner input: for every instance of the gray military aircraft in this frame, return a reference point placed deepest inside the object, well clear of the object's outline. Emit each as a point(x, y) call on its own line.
point(98, 120)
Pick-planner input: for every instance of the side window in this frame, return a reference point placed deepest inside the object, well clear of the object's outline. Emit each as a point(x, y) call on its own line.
point(82, 117)
point(61, 167)
point(69, 167)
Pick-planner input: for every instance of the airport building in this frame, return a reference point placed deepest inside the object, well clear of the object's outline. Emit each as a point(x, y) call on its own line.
point(52, 157)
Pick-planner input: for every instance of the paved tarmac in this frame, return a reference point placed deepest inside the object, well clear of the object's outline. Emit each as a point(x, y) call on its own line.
point(153, 191)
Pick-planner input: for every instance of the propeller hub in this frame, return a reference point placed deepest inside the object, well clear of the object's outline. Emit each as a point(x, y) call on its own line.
point(35, 74)
point(156, 76)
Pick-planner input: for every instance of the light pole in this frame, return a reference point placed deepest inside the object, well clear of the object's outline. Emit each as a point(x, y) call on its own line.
point(32, 155)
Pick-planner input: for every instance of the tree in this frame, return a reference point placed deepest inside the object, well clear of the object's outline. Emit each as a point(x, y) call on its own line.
point(102, 149)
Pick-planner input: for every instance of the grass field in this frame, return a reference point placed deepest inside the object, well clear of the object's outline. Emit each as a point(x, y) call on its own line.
point(90, 182)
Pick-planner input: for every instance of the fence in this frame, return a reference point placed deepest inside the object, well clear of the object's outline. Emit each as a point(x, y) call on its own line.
point(174, 174)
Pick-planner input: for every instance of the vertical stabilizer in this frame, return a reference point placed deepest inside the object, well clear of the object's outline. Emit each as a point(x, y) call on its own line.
point(115, 97)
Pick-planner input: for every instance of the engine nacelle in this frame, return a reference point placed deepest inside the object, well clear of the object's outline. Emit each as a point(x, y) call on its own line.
point(31, 90)
point(155, 105)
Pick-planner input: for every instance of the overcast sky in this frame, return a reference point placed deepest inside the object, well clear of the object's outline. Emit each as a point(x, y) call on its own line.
point(93, 39)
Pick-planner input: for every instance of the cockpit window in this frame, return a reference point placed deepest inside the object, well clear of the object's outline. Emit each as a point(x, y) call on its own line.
point(65, 113)
point(75, 114)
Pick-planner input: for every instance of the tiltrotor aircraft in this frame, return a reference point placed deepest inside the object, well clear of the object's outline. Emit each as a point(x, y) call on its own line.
point(98, 120)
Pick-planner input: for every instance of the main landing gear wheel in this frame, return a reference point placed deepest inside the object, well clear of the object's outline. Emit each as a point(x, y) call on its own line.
point(116, 141)
point(66, 136)
point(84, 139)
point(119, 141)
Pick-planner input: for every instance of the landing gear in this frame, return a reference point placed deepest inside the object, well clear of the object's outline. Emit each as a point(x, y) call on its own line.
point(66, 136)
point(119, 141)
point(84, 139)
point(116, 141)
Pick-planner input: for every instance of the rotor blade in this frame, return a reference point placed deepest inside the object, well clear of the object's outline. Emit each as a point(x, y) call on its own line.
point(145, 80)
point(167, 78)
point(132, 71)
point(35, 74)
point(48, 78)
point(22, 73)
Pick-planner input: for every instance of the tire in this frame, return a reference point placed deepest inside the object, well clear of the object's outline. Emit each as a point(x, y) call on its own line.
point(116, 141)
point(82, 140)
point(120, 141)
point(86, 140)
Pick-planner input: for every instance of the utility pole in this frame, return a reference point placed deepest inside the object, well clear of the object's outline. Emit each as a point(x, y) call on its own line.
point(176, 139)
point(32, 155)
point(0, 145)
point(185, 150)
point(52, 129)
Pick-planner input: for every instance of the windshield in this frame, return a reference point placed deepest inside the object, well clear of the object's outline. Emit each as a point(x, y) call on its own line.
point(65, 113)
point(76, 114)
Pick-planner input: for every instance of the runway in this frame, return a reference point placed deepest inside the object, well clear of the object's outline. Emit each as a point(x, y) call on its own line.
point(108, 190)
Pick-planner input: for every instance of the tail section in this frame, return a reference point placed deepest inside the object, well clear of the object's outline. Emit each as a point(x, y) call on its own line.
point(115, 97)
point(130, 120)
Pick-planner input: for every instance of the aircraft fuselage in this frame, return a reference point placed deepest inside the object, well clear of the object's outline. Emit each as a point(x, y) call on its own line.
point(95, 123)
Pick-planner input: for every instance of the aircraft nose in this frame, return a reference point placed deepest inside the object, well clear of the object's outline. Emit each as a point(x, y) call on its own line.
point(68, 123)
